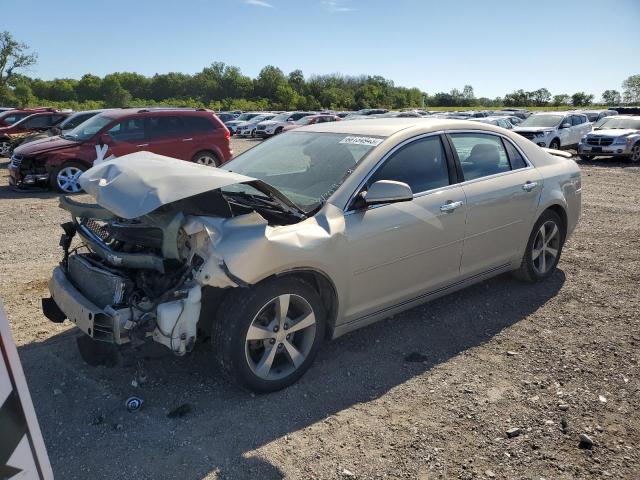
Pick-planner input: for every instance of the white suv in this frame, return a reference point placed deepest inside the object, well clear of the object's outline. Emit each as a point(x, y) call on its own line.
point(555, 129)
point(276, 125)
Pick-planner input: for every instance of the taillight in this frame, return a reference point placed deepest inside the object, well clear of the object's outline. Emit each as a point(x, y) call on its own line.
point(227, 135)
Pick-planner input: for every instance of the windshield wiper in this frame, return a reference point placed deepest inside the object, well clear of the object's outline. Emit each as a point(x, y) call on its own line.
point(272, 202)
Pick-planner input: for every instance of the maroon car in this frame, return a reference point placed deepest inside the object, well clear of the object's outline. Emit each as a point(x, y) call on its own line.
point(9, 117)
point(311, 119)
point(25, 126)
point(188, 134)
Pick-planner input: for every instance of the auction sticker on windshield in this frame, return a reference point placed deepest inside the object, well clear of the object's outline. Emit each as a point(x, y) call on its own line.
point(371, 141)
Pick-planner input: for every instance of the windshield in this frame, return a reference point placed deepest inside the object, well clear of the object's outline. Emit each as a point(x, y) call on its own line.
point(88, 129)
point(282, 117)
point(304, 121)
point(542, 121)
point(612, 122)
point(247, 116)
point(306, 167)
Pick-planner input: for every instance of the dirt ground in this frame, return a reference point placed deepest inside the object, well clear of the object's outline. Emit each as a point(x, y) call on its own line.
point(428, 394)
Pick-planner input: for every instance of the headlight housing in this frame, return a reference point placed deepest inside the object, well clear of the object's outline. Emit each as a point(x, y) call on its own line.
point(620, 140)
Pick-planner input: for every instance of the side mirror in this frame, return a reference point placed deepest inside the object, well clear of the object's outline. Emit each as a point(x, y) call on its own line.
point(388, 191)
point(565, 125)
point(104, 139)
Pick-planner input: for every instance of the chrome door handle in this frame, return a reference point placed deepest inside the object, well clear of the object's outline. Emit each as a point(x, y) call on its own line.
point(187, 139)
point(450, 206)
point(144, 145)
point(527, 187)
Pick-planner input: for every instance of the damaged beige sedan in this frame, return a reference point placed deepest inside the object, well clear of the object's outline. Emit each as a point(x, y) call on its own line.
point(305, 237)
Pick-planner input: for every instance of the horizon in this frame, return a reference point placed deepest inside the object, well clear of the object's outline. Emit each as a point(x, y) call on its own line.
point(289, 42)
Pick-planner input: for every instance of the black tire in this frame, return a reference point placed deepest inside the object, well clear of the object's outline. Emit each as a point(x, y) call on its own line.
point(240, 310)
point(5, 147)
point(529, 271)
point(253, 133)
point(278, 130)
point(555, 144)
point(206, 157)
point(635, 154)
point(54, 175)
point(586, 158)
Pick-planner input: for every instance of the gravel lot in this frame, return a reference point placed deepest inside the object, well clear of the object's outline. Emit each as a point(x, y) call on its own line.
point(428, 394)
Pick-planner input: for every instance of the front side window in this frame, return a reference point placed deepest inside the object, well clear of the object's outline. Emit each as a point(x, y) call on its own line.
point(577, 120)
point(129, 130)
point(422, 165)
point(40, 121)
point(480, 154)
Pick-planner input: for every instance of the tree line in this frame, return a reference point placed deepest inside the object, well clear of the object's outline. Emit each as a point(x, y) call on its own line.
point(225, 87)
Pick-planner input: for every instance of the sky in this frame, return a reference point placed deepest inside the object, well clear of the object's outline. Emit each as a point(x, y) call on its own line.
point(496, 46)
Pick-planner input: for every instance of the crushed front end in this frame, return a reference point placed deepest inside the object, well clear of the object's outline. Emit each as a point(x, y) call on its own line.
point(122, 280)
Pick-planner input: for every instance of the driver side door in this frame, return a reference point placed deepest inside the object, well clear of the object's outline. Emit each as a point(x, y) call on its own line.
point(400, 252)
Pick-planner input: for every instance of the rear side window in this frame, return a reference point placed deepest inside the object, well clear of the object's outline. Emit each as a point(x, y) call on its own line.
point(422, 165)
point(40, 121)
point(129, 130)
point(515, 157)
point(480, 154)
point(165, 126)
point(199, 124)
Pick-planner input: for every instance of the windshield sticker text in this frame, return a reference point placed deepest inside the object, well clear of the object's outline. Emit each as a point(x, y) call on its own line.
point(371, 141)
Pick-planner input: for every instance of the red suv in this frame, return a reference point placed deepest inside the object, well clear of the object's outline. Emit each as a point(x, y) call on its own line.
point(31, 123)
point(195, 135)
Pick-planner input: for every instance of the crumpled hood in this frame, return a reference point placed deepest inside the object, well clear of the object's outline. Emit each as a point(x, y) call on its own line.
point(136, 184)
point(615, 132)
point(267, 123)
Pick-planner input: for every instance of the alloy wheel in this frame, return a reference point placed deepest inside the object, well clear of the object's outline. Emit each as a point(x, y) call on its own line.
point(5, 148)
point(635, 154)
point(207, 160)
point(280, 337)
point(67, 179)
point(545, 247)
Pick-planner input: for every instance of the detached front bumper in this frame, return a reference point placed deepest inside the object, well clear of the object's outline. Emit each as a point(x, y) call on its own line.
point(104, 325)
point(621, 150)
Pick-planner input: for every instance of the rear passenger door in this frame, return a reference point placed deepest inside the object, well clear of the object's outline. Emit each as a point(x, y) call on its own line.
point(201, 134)
point(502, 192)
point(165, 135)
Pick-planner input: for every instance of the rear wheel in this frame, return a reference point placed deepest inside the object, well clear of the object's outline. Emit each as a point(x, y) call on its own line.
point(209, 159)
point(5, 147)
point(65, 178)
point(543, 249)
point(555, 144)
point(266, 337)
point(586, 158)
point(278, 130)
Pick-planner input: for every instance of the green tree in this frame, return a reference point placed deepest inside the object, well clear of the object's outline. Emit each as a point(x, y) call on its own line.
point(581, 99)
point(561, 99)
point(631, 89)
point(541, 97)
point(23, 94)
point(62, 89)
point(14, 56)
point(113, 93)
point(89, 87)
point(611, 97)
point(269, 80)
point(296, 80)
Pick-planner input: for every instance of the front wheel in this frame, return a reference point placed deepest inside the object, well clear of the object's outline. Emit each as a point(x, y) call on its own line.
point(5, 148)
point(635, 154)
point(586, 158)
point(543, 249)
point(555, 144)
point(266, 337)
point(206, 158)
point(64, 179)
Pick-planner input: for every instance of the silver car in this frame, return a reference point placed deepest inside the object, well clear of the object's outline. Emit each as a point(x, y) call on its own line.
point(613, 136)
point(313, 234)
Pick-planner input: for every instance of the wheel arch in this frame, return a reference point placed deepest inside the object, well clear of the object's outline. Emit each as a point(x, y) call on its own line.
point(559, 210)
point(213, 150)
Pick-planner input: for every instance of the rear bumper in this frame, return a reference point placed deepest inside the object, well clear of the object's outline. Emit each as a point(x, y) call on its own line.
point(96, 323)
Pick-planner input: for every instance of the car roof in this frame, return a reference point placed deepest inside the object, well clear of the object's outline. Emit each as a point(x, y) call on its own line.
point(385, 127)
